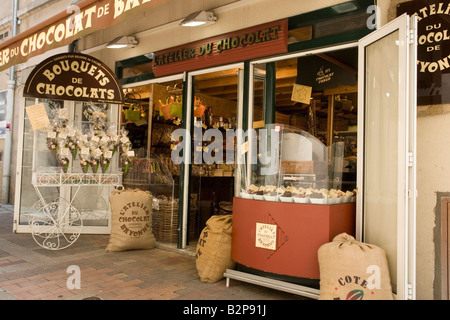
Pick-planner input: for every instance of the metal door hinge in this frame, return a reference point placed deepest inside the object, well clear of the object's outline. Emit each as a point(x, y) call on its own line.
point(411, 36)
point(410, 159)
point(410, 294)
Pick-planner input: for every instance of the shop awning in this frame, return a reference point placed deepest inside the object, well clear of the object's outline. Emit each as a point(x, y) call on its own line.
point(84, 18)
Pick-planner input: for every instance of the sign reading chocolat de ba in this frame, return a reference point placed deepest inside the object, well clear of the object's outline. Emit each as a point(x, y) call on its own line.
point(79, 20)
point(76, 77)
point(433, 65)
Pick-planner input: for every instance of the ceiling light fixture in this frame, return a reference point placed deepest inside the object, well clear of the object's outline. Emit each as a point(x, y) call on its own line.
point(199, 18)
point(123, 42)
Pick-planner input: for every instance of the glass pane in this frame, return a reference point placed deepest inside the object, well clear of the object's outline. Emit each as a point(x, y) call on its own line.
point(215, 122)
point(93, 201)
point(315, 94)
point(381, 152)
point(43, 160)
point(29, 197)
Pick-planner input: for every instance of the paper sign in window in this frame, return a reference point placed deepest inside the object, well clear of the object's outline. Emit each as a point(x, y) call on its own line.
point(301, 93)
point(38, 116)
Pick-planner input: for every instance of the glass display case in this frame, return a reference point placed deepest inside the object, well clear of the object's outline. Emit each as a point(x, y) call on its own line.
point(286, 164)
point(289, 203)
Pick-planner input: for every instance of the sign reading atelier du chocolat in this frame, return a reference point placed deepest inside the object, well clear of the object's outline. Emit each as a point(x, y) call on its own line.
point(76, 77)
point(433, 65)
point(262, 40)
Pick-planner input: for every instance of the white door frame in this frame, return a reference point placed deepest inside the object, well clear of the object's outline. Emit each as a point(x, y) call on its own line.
point(407, 141)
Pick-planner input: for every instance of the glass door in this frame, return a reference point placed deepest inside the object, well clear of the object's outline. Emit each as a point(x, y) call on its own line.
point(214, 113)
point(386, 136)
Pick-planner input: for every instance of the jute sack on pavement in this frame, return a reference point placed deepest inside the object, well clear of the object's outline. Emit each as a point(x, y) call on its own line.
point(131, 220)
point(352, 270)
point(213, 254)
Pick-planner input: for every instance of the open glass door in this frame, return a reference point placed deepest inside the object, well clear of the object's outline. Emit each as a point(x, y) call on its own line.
point(214, 113)
point(386, 136)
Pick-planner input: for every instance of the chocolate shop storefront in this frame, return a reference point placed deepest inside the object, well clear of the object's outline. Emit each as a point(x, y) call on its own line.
point(326, 92)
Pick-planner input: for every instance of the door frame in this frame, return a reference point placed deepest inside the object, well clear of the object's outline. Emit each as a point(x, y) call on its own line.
point(406, 210)
point(184, 195)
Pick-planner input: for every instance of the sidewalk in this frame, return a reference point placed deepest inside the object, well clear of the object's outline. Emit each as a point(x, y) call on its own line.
point(29, 272)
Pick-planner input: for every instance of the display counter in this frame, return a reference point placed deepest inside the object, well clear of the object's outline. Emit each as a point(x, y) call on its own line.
point(283, 238)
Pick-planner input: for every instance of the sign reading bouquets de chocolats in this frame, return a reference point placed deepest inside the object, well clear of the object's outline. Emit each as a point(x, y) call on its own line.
point(75, 77)
point(433, 65)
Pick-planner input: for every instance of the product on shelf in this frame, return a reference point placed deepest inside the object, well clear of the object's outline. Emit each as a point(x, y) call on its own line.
point(95, 148)
point(301, 195)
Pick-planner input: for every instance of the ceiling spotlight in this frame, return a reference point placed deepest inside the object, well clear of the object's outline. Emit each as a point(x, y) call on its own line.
point(199, 18)
point(123, 42)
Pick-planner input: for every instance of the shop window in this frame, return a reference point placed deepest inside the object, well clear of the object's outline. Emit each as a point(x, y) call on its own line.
point(56, 171)
point(135, 69)
point(336, 24)
point(316, 94)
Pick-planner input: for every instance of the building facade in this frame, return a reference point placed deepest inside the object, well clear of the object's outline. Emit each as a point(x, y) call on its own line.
point(156, 26)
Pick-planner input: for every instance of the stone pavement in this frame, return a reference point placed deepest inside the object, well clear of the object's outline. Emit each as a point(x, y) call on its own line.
point(29, 272)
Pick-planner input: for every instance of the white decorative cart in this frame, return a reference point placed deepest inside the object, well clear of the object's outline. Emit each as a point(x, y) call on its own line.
point(67, 157)
point(55, 223)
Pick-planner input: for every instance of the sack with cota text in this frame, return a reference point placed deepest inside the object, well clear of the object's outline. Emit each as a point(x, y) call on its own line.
point(353, 270)
point(131, 220)
point(213, 254)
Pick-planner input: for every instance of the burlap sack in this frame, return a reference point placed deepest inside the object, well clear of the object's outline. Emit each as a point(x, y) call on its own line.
point(352, 270)
point(213, 255)
point(131, 220)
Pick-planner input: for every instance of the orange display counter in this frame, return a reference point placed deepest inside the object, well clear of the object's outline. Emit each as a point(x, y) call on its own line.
point(283, 238)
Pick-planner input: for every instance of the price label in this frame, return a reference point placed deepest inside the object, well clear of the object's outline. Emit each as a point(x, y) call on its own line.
point(97, 152)
point(51, 134)
point(65, 151)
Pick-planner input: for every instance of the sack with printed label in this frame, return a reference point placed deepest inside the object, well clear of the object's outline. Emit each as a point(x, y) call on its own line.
point(213, 254)
point(352, 270)
point(131, 220)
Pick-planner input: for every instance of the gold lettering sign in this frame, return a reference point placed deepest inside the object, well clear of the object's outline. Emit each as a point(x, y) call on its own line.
point(261, 40)
point(76, 77)
point(75, 23)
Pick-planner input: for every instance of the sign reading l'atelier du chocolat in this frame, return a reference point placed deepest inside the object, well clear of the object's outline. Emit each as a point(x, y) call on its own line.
point(75, 77)
point(257, 41)
point(433, 65)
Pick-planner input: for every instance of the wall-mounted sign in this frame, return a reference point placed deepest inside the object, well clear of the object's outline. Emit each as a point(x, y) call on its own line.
point(433, 65)
point(258, 41)
point(321, 74)
point(76, 77)
point(77, 21)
